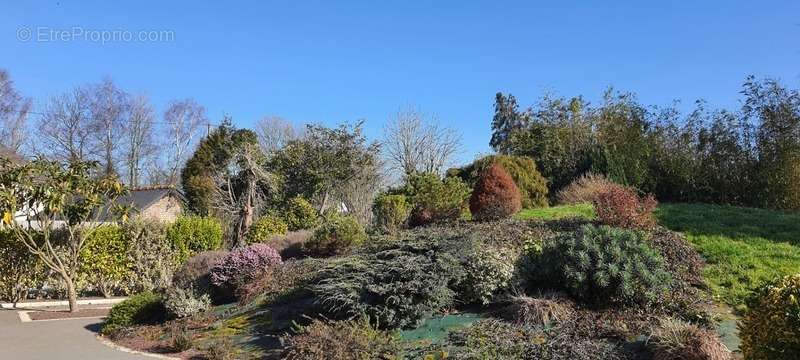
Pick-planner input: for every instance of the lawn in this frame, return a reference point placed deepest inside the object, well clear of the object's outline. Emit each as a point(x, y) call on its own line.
point(743, 246)
point(557, 212)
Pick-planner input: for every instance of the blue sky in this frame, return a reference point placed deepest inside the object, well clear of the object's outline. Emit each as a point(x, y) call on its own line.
point(332, 61)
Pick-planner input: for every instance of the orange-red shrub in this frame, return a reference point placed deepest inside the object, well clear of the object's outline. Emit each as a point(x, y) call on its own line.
point(495, 196)
point(620, 206)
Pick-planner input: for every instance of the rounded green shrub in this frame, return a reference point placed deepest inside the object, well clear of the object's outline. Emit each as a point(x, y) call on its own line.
point(185, 302)
point(391, 212)
point(190, 235)
point(103, 259)
point(488, 273)
point(522, 169)
point(143, 308)
point(601, 266)
point(434, 199)
point(300, 214)
point(336, 235)
point(265, 228)
point(771, 327)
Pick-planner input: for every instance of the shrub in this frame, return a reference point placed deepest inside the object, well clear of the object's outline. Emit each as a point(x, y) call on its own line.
point(336, 235)
point(602, 266)
point(341, 340)
point(532, 185)
point(391, 212)
point(289, 276)
point(495, 195)
point(584, 189)
point(195, 273)
point(494, 339)
point(243, 265)
point(545, 311)
point(185, 302)
point(291, 244)
point(182, 340)
point(675, 339)
point(395, 285)
point(487, 273)
point(301, 215)
point(151, 257)
point(434, 199)
point(771, 327)
point(192, 234)
point(20, 269)
point(264, 228)
point(139, 309)
point(621, 207)
point(103, 260)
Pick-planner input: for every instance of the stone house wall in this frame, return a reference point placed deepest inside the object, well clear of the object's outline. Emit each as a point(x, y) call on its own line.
point(166, 210)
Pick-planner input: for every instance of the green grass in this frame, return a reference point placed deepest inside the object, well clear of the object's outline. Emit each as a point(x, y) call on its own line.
point(558, 212)
point(743, 247)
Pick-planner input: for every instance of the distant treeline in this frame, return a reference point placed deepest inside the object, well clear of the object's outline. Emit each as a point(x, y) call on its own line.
point(748, 156)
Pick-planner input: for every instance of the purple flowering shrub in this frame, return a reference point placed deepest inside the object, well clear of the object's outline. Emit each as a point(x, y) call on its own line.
point(244, 265)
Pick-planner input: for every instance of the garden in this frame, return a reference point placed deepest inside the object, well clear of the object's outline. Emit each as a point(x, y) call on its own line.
point(604, 232)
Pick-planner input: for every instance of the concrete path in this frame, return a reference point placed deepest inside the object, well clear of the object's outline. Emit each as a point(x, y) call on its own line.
point(60, 339)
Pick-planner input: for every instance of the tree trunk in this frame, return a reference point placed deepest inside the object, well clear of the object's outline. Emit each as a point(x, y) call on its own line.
point(72, 295)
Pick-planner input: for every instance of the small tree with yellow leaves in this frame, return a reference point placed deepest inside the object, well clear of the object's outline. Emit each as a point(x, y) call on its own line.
point(42, 199)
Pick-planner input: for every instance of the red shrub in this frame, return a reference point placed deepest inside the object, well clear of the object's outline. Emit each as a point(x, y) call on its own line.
point(620, 206)
point(495, 195)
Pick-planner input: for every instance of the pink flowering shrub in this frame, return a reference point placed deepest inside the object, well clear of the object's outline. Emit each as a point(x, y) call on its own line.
point(244, 265)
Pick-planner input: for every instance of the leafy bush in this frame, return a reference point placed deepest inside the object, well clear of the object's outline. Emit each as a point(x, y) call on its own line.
point(103, 260)
point(487, 273)
point(142, 308)
point(336, 235)
point(265, 228)
point(395, 285)
point(602, 266)
point(584, 189)
point(495, 195)
point(185, 302)
point(20, 270)
point(151, 257)
point(620, 206)
point(434, 199)
point(532, 185)
point(301, 215)
point(192, 234)
point(391, 212)
point(243, 265)
point(195, 273)
point(341, 340)
point(675, 339)
point(544, 311)
point(771, 327)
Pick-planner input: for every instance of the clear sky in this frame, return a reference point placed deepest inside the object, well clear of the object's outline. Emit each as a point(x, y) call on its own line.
point(331, 61)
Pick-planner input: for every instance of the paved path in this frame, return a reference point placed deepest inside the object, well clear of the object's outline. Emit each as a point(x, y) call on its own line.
point(48, 340)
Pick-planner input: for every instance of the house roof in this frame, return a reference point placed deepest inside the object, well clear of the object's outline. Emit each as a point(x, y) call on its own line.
point(11, 155)
point(142, 198)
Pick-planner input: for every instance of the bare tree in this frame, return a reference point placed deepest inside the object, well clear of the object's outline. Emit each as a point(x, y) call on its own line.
point(109, 108)
point(140, 145)
point(64, 129)
point(415, 142)
point(274, 133)
point(185, 119)
point(240, 190)
point(13, 114)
